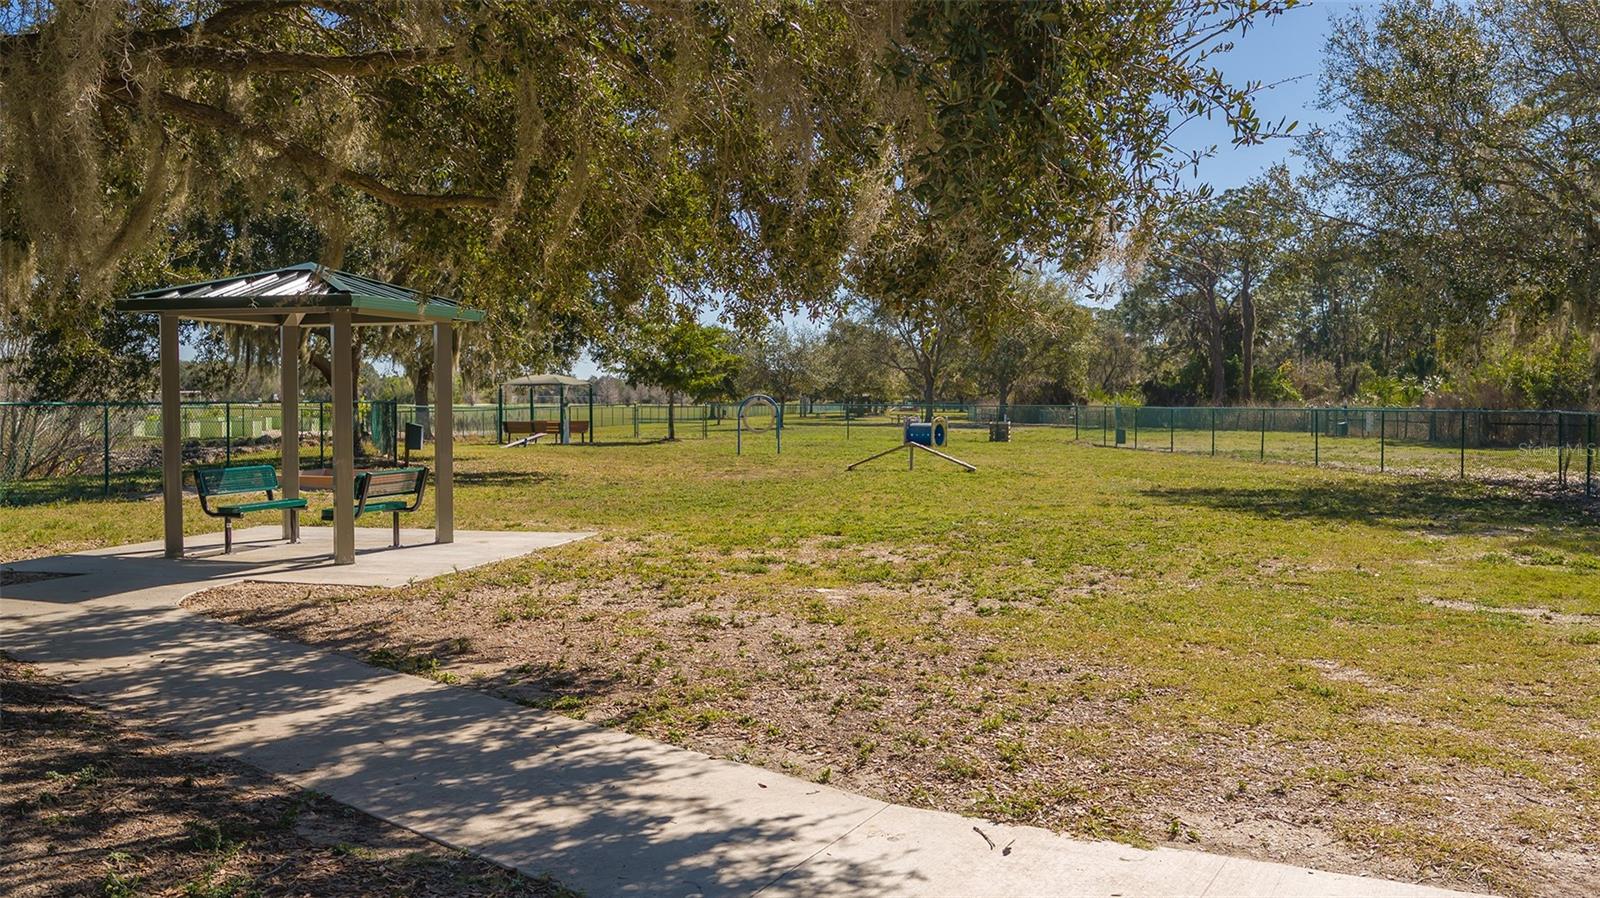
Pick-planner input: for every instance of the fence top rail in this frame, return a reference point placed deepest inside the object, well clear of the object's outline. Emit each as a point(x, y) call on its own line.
point(1339, 408)
point(310, 401)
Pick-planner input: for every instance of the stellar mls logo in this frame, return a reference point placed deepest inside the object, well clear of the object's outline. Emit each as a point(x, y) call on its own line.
point(1543, 448)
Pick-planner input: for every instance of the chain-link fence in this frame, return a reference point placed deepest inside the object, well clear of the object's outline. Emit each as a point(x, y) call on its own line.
point(1552, 451)
point(66, 450)
point(63, 450)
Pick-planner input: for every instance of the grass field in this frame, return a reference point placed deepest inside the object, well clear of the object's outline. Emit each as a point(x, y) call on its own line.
point(1379, 674)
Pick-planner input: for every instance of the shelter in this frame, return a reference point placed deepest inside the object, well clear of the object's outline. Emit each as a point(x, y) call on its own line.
point(292, 298)
point(534, 383)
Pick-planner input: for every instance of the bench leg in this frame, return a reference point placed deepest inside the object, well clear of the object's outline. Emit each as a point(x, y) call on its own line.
point(396, 529)
point(227, 536)
point(294, 525)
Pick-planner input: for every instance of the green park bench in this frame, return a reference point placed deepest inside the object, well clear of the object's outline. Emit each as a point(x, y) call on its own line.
point(397, 490)
point(233, 481)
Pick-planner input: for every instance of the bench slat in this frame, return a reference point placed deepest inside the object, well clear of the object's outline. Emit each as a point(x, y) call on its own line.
point(242, 508)
point(387, 505)
point(403, 481)
point(541, 425)
point(240, 479)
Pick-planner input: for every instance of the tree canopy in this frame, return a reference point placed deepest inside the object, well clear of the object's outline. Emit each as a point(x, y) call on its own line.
point(1444, 246)
point(684, 358)
point(590, 159)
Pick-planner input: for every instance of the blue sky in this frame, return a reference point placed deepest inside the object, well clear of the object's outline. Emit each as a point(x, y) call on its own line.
point(1284, 51)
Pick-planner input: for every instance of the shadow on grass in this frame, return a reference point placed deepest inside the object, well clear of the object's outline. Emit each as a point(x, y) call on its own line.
point(544, 685)
point(598, 444)
point(1451, 508)
point(503, 478)
point(129, 487)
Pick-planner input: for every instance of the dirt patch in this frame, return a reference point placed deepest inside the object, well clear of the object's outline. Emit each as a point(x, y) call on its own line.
point(92, 808)
point(894, 693)
point(1544, 614)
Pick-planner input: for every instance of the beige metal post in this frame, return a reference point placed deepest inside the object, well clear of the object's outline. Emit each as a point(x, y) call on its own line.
point(444, 422)
point(289, 440)
point(171, 440)
point(344, 449)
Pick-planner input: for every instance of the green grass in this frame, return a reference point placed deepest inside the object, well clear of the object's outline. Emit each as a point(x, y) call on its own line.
point(1344, 625)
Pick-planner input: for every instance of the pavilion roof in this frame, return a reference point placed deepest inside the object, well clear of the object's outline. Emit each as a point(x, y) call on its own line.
point(307, 290)
point(547, 380)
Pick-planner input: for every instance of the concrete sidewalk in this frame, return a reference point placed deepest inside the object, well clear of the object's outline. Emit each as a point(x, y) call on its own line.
point(601, 811)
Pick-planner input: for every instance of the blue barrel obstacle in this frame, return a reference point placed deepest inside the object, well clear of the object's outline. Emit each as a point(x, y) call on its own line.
point(925, 433)
point(919, 436)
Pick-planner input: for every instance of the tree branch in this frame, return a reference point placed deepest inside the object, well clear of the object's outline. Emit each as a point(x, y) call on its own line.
point(279, 62)
point(308, 160)
point(232, 13)
point(236, 12)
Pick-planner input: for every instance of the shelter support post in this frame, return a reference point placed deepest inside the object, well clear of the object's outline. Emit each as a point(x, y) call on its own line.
point(171, 441)
point(289, 439)
point(444, 379)
point(344, 450)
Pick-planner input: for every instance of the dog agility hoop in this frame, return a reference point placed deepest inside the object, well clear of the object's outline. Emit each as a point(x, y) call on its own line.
point(740, 424)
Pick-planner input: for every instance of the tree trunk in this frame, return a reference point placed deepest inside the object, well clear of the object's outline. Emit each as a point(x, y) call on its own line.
point(355, 379)
point(323, 366)
point(421, 380)
point(1004, 393)
point(927, 394)
point(1247, 339)
point(672, 429)
point(1214, 348)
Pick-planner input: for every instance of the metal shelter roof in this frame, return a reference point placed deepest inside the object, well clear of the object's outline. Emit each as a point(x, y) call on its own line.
point(547, 380)
point(308, 290)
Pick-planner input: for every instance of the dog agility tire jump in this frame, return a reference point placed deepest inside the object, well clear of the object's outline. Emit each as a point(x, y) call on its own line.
point(740, 425)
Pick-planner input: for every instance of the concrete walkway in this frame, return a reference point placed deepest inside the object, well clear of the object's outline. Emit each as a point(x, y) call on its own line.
point(601, 811)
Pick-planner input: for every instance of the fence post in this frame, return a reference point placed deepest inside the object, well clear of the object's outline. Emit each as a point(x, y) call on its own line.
point(1136, 427)
point(1263, 435)
point(1172, 424)
point(105, 456)
point(1562, 457)
point(1383, 436)
point(1105, 415)
point(227, 433)
point(1588, 456)
point(1462, 423)
point(1077, 421)
point(1316, 441)
point(1213, 431)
